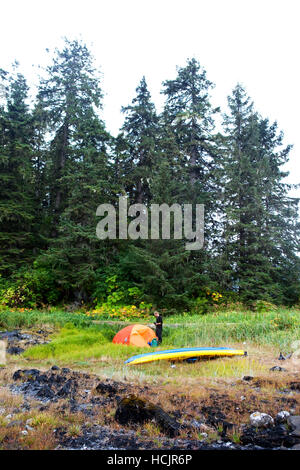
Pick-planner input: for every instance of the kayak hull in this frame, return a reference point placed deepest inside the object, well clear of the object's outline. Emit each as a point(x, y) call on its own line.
point(183, 353)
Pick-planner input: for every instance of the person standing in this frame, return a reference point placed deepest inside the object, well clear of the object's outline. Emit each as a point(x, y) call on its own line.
point(158, 326)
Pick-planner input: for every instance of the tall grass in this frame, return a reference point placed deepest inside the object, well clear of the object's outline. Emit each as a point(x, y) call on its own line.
point(278, 328)
point(10, 319)
point(237, 316)
point(225, 335)
point(72, 344)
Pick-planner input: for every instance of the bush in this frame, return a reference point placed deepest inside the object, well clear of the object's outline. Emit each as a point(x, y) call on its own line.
point(42, 284)
point(122, 312)
point(30, 289)
point(111, 290)
point(262, 306)
point(205, 301)
point(200, 306)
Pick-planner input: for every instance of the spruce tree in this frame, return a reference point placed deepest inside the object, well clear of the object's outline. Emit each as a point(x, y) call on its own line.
point(189, 112)
point(17, 203)
point(256, 205)
point(189, 117)
point(140, 131)
point(78, 169)
point(152, 171)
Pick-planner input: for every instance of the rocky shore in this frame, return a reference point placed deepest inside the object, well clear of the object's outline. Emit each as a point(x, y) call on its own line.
point(116, 415)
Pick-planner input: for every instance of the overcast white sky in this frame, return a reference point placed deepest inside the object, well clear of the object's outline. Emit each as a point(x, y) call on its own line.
point(255, 42)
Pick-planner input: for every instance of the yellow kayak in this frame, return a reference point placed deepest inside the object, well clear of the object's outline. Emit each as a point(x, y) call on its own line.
point(184, 353)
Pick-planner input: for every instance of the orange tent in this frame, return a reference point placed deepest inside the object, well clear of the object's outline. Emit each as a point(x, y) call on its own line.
point(135, 335)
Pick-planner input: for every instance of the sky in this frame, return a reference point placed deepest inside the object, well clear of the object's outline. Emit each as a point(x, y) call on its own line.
point(253, 42)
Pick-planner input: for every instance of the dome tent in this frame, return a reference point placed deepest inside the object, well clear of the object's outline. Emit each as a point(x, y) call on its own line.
point(135, 335)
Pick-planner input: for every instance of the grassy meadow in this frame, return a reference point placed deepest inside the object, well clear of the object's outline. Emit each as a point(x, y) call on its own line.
point(80, 342)
point(77, 341)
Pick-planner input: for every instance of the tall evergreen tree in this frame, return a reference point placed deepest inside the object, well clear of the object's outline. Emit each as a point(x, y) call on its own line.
point(152, 170)
point(66, 95)
point(17, 208)
point(78, 167)
point(189, 112)
point(140, 131)
point(189, 116)
point(58, 163)
point(255, 204)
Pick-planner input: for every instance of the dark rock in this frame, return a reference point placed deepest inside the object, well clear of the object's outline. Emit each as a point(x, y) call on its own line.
point(10, 335)
point(42, 378)
point(54, 368)
point(247, 378)
point(294, 422)
point(214, 416)
point(134, 409)
point(56, 378)
point(226, 427)
point(26, 375)
point(281, 357)
point(52, 384)
point(14, 350)
point(106, 388)
point(18, 342)
point(67, 388)
point(43, 408)
point(65, 370)
point(45, 392)
point(295, 386)
point(278, 369)
point(138, 410)
point(276, 436)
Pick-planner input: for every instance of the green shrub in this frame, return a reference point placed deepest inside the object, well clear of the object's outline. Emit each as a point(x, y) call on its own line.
point(262, 306)
point(200, 306)
point(112, 291)
point(18, 296)
point(29, 288)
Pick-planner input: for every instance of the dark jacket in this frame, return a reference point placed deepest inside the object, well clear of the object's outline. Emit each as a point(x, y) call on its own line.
point(159, 323)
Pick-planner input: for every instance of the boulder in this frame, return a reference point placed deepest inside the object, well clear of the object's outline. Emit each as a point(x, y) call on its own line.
point(276, 436)
point(261, 420)
point(139, 410)
point(282, 417)
point(294, 423)
point(26, 374)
